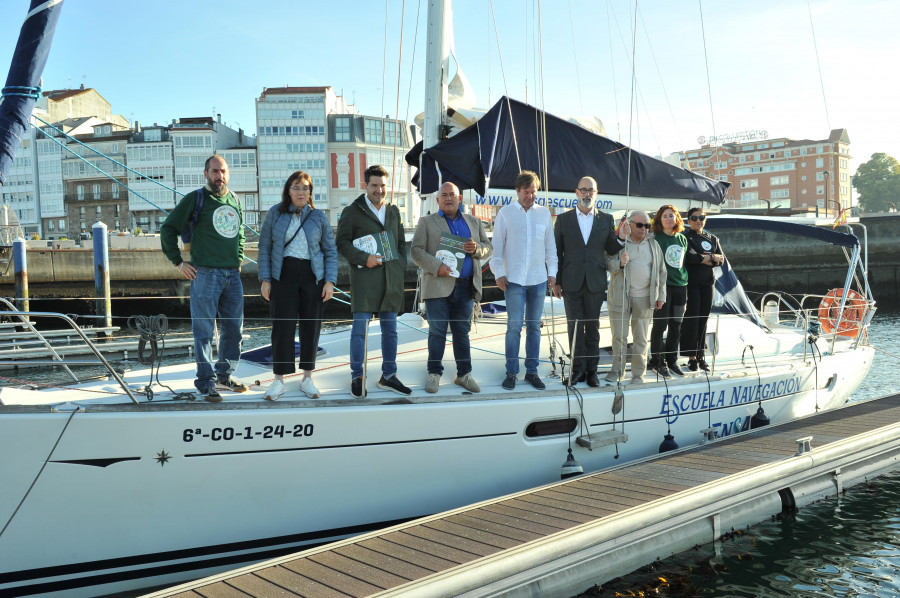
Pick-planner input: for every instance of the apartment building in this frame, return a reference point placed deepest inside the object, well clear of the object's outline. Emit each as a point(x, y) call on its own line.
point(802, 175)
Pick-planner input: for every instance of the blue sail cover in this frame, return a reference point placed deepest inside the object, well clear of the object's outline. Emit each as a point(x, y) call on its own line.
point(731, 295)
point(28, 62)
point(798, 229)
point(513, 133)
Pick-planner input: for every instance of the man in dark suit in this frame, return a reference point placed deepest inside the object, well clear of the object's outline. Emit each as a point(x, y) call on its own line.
point(584, 237)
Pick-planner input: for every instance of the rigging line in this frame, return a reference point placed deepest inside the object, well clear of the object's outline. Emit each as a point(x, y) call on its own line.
point(120, 183)
point(631, 104)
point(114, 179)
point(397, 108)
point(612, 64)
point(706, 62)
point(662, 83)
point(506, 91)
point(575, 58)
point(545, 162)
point(40, 471)
point(384, 58)
point(412, 65)
point(819, 66)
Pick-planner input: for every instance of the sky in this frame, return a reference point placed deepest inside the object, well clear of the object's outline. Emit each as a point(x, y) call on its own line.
point(701, 67)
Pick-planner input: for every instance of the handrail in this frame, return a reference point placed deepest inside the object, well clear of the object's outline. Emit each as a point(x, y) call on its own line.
point(75, 327)
point(34, 331)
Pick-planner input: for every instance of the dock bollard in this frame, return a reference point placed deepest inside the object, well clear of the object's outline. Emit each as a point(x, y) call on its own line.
point(103, 303)
point(20, 264)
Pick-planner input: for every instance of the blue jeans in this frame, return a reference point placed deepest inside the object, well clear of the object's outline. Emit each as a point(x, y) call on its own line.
point(388, 320)
point(527, 302)
point(216, 293)
point(456, 309)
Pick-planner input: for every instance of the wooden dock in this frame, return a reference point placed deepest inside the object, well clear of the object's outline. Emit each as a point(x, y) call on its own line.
point(560, 539)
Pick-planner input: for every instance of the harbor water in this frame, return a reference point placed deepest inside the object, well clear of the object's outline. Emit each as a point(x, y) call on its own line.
point(842, 547)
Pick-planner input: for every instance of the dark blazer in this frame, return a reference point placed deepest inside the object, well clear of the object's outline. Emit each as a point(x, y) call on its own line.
point(580, 263)
point(372, 289)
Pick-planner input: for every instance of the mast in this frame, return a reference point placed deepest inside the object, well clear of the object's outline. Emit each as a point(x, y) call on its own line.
point(436, 64)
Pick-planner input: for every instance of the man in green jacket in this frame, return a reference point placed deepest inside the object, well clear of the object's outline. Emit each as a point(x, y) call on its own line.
point(217, 250)
point(376, 279)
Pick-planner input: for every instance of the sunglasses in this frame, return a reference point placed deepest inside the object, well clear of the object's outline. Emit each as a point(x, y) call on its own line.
point(699, 218)
point(640, 224)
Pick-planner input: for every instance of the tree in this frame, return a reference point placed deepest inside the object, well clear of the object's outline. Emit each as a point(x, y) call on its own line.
point(878, 182)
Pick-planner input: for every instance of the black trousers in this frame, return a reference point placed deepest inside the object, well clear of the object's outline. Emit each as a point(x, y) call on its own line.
point(583, 323)
point(669, 316)
point(696, 316)
point(296, 298)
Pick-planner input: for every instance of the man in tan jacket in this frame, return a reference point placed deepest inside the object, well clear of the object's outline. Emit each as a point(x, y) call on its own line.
point(637, 286)
point(451, 281)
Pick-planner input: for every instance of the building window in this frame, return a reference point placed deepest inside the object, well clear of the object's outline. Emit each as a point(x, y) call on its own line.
point(390, 133)
point(721, 165)
point(373, 131)
point(780, 194)
point(820, 176)
point(81, 212)
point(843, 163)
point(115, 191)
point(79, 190)
point(820, 189)
point(99, 213)
point(779, 180)
point(342, 128)
point(844, 190)
point(820, 162)
point(96, 190)
point(49, 225)
point(754, 196)
point(62, 224)
point(250, 201)
point(749, 183)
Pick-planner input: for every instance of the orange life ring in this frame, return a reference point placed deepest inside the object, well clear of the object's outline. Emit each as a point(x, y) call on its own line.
point(853, 315)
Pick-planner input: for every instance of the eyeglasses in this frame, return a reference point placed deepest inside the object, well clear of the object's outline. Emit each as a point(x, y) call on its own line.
point(586, 190)
point(450, 195)
point(640, 224)
point(298, 188)
point(699, 218)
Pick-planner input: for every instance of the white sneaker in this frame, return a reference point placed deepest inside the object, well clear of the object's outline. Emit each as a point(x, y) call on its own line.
point(275, 390)
point(309, 389)
point(431, 385)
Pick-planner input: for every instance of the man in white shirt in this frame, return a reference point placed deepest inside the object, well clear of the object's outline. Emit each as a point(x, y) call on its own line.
point(524, 260)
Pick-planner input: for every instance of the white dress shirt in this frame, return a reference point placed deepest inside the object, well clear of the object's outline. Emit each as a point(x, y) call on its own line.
point(524, 246)
point(380, 214)
point(585, 222)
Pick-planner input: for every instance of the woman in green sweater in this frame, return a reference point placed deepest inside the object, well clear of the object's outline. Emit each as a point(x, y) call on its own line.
point(667, 227)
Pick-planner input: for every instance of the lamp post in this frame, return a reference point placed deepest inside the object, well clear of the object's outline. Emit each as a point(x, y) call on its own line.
point(827, 176)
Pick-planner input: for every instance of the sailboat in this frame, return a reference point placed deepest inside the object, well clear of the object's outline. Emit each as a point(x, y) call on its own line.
point(108, 487)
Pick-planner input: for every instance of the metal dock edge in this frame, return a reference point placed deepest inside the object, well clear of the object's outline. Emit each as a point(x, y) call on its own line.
point(560, 539)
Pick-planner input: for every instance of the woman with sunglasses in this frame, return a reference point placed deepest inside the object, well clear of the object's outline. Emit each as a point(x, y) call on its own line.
point(704, 253)
point(667, 227)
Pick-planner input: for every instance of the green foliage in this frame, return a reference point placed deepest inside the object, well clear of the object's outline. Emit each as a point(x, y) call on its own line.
point(138, 232)
point(878, 183)
point(35, 237)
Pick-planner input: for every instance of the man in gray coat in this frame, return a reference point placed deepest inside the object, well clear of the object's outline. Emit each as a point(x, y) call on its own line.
point(376, 283)
point(584, 237)
point(449, 292)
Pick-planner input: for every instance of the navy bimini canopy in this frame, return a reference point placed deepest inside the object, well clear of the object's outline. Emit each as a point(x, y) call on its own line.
point(513, 134)
point(23, 81)
point(797, 229)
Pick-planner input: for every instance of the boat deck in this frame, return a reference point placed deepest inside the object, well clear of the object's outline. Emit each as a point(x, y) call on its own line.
point(592, 528)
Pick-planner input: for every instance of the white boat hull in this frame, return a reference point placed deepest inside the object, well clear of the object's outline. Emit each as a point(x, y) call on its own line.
point(142, 495)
